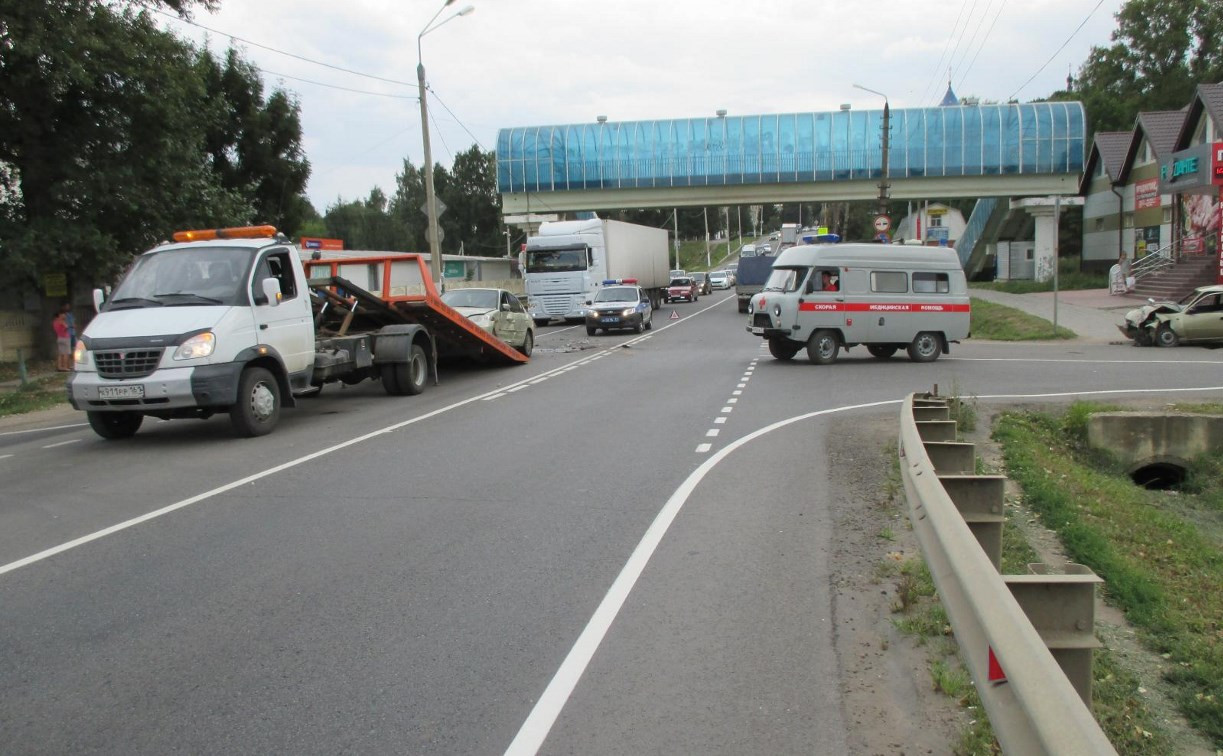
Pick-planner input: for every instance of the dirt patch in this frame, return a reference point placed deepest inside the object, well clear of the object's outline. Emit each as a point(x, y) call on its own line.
point(889, 701)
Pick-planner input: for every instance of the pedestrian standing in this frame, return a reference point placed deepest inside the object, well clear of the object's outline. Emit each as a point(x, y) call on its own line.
point(63, 339)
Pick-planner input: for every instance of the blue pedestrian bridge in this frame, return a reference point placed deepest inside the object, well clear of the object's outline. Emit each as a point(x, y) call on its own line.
point(1006, 150)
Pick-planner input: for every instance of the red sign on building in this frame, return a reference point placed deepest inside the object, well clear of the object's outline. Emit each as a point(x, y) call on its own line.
point(1146, 194)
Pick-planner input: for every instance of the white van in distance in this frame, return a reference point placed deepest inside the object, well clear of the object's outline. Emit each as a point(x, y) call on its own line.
point(825, 297)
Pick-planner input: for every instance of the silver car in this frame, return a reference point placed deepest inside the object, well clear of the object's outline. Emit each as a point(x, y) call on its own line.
point(498, 312)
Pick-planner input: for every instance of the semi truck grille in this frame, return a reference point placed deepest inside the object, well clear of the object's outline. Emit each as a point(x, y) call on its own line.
point(762, 320)
point(127, 363)
point(555, 304)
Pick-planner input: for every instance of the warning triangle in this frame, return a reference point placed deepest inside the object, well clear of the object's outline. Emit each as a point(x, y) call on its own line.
point(674, 315)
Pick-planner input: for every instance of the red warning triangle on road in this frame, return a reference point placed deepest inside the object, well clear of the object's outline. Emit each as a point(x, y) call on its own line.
point(674, 315)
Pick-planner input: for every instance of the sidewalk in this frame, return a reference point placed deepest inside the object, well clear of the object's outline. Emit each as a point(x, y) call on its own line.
point(1093, 314)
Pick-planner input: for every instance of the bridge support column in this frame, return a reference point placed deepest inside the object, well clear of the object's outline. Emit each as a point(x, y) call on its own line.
point(1042, 210)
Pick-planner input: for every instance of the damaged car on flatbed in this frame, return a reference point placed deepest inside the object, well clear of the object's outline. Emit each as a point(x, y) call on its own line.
point(1196, 319)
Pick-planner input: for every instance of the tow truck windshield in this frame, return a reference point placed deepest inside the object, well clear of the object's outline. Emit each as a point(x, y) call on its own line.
point(185, 277)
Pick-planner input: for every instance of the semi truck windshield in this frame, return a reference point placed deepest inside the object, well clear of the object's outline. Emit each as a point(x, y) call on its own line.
point(557, 260)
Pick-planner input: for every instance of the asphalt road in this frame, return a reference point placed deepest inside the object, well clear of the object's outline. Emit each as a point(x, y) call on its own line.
point(617, 548)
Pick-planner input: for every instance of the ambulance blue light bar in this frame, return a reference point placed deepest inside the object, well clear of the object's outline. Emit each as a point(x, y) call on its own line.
point(822, 239)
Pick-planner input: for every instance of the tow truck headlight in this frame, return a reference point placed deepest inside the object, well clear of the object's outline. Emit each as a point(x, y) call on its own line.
point(199, 345)
point(79, 352)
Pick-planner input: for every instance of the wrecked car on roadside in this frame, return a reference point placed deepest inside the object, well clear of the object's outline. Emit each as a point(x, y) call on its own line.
point(1196, 319)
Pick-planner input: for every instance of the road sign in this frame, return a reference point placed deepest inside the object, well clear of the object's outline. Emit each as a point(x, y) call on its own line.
point(674, 315)
point(882, 236)
point(441, 206)
point(882, 223)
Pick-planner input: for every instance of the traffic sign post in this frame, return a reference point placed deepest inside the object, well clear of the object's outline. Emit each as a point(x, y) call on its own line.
point(882, 223)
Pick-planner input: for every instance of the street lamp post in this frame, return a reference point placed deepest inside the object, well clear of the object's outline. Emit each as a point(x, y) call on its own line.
point(887, 129)
point(435, 247)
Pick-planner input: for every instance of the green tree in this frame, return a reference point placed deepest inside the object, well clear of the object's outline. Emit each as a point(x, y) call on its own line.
point(473, 204)
point(255, 145)
point(101, 137)
point(1160, 52)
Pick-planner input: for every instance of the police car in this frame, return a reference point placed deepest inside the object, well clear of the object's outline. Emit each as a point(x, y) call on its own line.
point(619, 304)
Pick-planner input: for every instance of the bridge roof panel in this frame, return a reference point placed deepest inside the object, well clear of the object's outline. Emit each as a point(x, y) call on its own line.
point(788, 148)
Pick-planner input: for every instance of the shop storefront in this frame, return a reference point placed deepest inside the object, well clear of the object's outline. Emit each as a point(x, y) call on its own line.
point(1194, 177)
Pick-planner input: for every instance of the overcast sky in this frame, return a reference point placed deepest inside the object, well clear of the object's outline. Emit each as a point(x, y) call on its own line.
point(540, 62)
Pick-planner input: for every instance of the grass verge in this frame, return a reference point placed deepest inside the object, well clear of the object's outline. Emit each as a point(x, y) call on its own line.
point(1068, 277)
point(1160, 554)
point(1001, 323)
point(42, 392)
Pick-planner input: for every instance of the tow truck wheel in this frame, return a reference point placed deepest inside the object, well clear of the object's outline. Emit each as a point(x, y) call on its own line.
point(528, 344)
point(881, 351)
point(783, 349)
point(823, 347)
point(407, 377)
point(114, 425)
point(1166, 337)
point(926, 347)
point(258, 406)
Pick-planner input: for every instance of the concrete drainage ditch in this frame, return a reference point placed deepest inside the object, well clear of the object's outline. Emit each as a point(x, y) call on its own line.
point(1155, 447)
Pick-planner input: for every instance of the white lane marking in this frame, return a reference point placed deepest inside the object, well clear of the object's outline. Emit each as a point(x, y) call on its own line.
point(69, 545)
point(732, 400)
point(712, 432)
point(539, 380)
point(719, 420)
point(516, 388)
point(552, 331)
point(543, 715)
point(703, 448)
point(727, 409)
point(5, 456)
point(742, 385)
point(63, 443)
point(50, 428)
point(736, 392)
point(487, 399)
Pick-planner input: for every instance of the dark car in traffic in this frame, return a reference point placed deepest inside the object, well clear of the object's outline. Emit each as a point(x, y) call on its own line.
point(702, 283)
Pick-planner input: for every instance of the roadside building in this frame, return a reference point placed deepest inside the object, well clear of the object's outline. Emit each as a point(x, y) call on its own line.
point(1193, 176)
point(933, 223)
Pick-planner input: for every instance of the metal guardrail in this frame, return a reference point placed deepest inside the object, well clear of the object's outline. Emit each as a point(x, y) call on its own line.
point(1027, 639)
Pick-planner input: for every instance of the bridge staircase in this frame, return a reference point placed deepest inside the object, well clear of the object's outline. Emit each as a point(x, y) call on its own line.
point(982, 229)
point(1171, 272)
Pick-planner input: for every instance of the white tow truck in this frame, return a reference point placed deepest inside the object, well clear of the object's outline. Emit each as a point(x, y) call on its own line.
point(233, 321)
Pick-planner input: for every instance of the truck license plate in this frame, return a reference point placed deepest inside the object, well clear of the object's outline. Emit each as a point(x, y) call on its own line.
point(121, 392)
point(757, 330)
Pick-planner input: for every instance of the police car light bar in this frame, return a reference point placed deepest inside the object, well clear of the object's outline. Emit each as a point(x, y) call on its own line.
point(614, 281)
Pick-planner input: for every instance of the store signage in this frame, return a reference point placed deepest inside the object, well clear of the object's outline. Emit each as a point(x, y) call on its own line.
point(1194, 168)
point(312, 242)
point(1146, 194)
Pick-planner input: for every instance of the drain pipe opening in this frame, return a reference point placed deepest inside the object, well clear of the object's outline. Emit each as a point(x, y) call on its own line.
point(1161, 476)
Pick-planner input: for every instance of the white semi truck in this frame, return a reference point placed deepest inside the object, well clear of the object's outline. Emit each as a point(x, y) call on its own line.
point(567, 263)
point(233, 321)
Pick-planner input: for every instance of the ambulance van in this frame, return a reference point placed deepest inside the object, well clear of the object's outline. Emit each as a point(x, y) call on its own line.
point(825, 297)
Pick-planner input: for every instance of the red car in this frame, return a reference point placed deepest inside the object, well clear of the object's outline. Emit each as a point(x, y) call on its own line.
point(681, 288)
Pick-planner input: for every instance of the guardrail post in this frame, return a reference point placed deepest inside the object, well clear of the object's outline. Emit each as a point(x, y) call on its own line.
point(936, 430)
point(1062, 608)
point(980, 501)
point(932, 412)
point(951, 457)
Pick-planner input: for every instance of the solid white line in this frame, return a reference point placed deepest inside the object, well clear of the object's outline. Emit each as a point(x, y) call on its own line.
point(5, 456)
point(46, 553)
point(63, 443)
point(1090, 361)
point(516, 388)
point(487, 398)
point(50, 428)
point(539, 722)
point(543, 716)
point(703, 448)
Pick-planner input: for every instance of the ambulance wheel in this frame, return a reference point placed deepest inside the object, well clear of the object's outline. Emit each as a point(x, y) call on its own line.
point(881, 351)
point(114, 425)
point(823, 347)
point(1166, 337)
point(258, 406)
point(783, 349)
point(926, 347)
